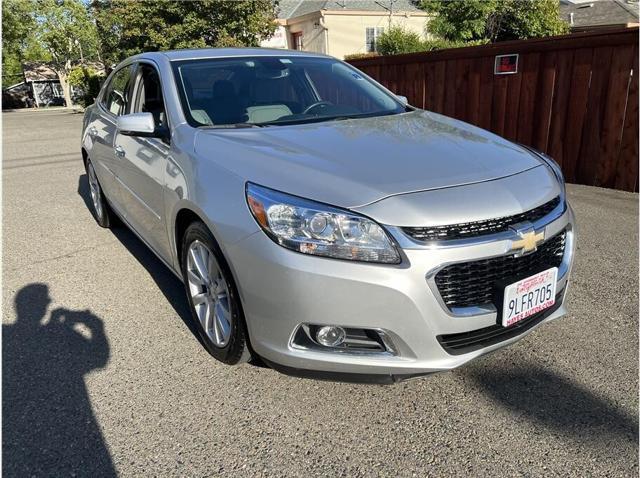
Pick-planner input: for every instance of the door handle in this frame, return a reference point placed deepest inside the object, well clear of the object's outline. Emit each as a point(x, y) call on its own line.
point(120, 151)
point(93, 131)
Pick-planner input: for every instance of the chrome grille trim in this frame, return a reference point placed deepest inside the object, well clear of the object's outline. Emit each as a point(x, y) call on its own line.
point(469, 230)
point(471, 284)
point(479, 228)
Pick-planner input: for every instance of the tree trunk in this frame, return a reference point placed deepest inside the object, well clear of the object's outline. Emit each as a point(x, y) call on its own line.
point(63, 75)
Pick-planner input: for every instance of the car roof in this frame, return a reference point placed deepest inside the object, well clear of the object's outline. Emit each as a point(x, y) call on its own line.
point(201, 53)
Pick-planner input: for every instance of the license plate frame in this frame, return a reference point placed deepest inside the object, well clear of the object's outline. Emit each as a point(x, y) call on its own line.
point(531, 295)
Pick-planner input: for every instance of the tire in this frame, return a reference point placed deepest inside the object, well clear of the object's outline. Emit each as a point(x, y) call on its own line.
point(101, 210)
point(213, 297)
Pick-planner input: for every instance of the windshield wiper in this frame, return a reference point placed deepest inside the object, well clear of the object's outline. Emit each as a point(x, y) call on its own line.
point(318, 119)
point(231, 126)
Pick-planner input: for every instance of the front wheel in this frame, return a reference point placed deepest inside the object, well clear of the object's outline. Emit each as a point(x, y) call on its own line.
point(213, 297)
point(101, 210)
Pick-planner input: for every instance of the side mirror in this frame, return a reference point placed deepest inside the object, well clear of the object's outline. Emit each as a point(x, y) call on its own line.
point(140, 124)
point(403, 100)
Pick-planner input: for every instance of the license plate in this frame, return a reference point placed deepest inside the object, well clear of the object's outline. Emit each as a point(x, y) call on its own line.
point(529, 296)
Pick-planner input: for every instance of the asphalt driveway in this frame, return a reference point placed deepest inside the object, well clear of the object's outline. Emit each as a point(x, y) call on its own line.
point(102, 374)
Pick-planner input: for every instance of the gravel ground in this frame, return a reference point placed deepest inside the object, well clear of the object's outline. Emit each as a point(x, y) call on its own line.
point(102, 375)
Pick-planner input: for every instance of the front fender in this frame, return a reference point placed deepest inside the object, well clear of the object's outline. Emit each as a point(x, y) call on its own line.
point(215, 195)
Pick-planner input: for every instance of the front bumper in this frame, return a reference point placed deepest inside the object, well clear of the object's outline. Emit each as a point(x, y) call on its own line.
point(281, 289)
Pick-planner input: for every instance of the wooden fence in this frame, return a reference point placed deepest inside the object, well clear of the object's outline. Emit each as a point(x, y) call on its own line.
point(574, 97)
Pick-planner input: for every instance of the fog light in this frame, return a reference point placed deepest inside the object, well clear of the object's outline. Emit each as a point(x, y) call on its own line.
point(330, 336)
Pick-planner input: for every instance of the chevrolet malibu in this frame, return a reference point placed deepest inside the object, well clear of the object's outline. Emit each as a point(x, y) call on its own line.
point(321, 224)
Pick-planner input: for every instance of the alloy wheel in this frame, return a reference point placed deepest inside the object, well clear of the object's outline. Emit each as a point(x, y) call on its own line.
point(209, 293)
point(96, 195)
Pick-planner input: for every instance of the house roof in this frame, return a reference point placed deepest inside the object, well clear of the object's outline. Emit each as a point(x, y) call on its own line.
point(40, 71)
point(297, 8)
point(599, 12)
point(37, 71)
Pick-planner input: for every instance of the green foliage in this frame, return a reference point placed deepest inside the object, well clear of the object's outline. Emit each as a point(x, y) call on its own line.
point(359, 56)
point(17, 27)
point(518, 19)
point(396, 44)
point(398, 40)
point(126, 28)
point(88, 80)
point(494, 20)
point(66, 31)
point(440, 44)
point(462, 20)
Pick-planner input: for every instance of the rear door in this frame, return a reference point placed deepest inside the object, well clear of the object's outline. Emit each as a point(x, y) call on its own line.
point(142, 162)
point(102, 129)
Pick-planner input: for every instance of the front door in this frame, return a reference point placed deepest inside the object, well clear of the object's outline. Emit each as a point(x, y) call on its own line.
point(142, 163)
point(102, 129)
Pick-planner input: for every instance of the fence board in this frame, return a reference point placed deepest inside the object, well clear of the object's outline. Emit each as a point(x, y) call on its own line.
point(578, 94)
point(544, 103)
point(561, 95)
point(486, 92)
point(614, 116)
point(525, 123)
point(627, 171)
point(574, 97)
point(512, 113)
point(592, 131)
point(499, 109)
point(450, 89)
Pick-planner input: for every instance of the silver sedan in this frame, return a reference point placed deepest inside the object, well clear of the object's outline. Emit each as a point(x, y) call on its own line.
point(321, 224)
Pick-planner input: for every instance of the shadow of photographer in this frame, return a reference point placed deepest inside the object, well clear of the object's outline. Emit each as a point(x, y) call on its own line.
point(48, 425)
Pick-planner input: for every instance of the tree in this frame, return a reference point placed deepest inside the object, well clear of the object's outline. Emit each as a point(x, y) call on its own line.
point(494, 20)
point(459, 21)
point(397, 40)
point(126, 28)
point(517, 19)
point(18, 25)
point(88, 80)
point(67, 32)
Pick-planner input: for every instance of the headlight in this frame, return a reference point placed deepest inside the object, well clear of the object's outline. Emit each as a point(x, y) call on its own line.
point(313, 228)
point(551, 164)
point(557, 171)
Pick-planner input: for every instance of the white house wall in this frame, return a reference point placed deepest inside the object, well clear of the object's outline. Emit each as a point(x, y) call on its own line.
point(347, 33)
point(313, 34)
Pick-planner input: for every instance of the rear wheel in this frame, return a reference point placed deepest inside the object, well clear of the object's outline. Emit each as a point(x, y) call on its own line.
point(101, 210)
point(213, 297)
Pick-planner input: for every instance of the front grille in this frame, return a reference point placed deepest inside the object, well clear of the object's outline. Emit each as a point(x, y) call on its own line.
point(465, 342)
point(476, 283)
point(479, 228)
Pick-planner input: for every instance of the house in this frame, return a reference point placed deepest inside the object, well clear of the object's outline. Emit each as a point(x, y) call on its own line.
point(342, 27)
point(586, 15)
point(41, 87)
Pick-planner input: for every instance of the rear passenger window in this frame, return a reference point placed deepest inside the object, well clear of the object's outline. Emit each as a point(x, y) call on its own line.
point(115, 98)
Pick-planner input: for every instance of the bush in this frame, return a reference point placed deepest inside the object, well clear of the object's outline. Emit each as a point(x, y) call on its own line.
point(402, 41)
point(440, 44)
point(397, 40)
point(88, 80)
point(359, 56)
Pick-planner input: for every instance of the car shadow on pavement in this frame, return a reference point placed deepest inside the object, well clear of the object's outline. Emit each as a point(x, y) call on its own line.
point(169, 285)
point(48, 425)
point(555, 402)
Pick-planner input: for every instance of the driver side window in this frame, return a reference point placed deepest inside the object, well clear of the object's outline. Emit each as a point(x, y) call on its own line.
point(116, 96)
point(148, 95)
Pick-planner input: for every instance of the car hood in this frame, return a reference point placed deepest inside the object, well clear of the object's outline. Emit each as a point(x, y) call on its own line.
point(352, 163)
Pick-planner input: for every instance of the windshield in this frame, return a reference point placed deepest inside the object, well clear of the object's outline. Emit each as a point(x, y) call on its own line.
point(248, 91)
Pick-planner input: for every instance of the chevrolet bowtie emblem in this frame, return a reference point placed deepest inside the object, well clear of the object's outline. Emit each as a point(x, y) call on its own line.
point(528, 241)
